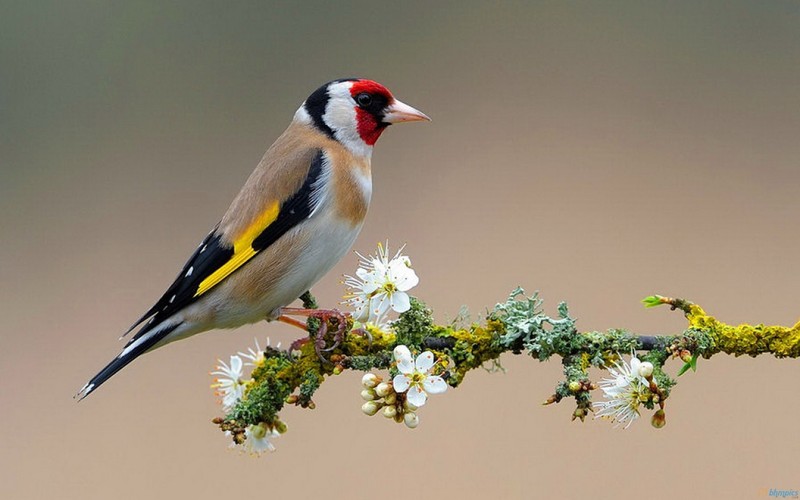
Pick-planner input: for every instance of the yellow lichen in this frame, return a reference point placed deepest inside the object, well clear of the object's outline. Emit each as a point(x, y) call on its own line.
point(585, 361)
point(745, 339)
point(473, 348)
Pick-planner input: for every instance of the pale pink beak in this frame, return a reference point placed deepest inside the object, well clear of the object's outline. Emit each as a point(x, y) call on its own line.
point(398, 112)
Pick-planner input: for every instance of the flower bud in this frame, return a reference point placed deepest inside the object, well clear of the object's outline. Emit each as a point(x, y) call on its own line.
point(574, 386)
point(389, 411)
point(258, 431)
point(659, 419)
point(383, 389)
point(371, 407)
point(411, 420)
point(370, 380)
point(280, 427)
point(368, 395)
point(390, 399)
point(409, 407)
point(552, 399)
point(686, 356)
point(238, 438)
point(646, 369)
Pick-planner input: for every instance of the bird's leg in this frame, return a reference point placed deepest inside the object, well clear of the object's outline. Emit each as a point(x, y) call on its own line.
point(293, 322)
point(324, 315)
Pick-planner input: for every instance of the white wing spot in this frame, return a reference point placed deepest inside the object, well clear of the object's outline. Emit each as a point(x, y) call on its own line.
point(203, 249)
point(172, 299)
point(189, 272)
point(320, 187)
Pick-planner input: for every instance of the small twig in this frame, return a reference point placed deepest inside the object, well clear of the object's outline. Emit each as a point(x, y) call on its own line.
point(650, 342)
point(439, 342)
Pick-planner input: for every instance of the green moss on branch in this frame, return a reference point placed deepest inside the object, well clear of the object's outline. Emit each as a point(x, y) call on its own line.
point(517, 325)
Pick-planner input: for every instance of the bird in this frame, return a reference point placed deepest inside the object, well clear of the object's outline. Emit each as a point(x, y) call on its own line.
point(296, 216)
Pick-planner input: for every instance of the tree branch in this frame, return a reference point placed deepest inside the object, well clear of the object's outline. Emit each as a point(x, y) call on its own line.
point(517, 325)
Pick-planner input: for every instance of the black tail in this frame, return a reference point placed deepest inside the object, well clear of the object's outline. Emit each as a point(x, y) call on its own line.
point(135, 348)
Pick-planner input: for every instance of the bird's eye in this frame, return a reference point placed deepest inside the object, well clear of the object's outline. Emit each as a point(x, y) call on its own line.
point(363, 99)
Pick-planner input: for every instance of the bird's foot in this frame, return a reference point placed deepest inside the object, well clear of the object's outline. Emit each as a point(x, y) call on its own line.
point(324, 316)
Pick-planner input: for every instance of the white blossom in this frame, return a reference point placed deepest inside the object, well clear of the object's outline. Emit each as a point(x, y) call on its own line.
point(257, 439)
point(229, 383)
point(415, 376)
point(256, 356)
point(380, 285)
point(624, 392)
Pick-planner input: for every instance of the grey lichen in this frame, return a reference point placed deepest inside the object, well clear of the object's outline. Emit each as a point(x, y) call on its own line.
point(528, 327)
point(414, 325)
point(517, 325)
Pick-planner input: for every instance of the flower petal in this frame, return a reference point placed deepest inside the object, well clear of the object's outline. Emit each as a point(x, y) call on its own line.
point(635, 364)
point(401, 383)
point(370, 280)
point(403, 358)
point(236, 365)
point(400, 302)
point(425, 362)
point(401, 352)
point(379, 304)
point(401, 274)
point(416, 397)
point(379, 266)
point(434, 384)
point(359, 303)
point(406, 280)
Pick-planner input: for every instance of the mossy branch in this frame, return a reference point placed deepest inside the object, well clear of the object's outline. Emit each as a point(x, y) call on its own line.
point(518, 325)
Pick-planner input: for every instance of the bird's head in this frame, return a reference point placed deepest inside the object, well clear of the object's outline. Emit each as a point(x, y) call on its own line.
point(355, 112)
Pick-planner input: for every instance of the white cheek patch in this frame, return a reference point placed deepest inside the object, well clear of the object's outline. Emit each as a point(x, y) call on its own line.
point(302, 116)
point(340, 116)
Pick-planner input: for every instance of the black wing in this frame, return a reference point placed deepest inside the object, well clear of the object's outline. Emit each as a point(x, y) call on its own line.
point(214, 253)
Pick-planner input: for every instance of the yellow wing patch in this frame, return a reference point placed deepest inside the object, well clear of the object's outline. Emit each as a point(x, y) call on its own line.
point(242, 249)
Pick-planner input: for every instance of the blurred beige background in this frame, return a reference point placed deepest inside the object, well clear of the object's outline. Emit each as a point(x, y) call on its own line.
point(596, 151)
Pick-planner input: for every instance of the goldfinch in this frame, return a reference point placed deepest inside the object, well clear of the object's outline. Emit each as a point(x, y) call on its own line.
point(296, 216)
